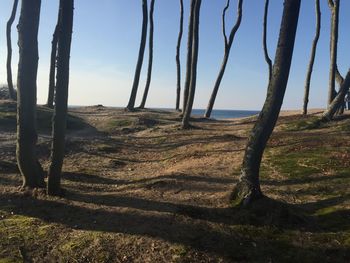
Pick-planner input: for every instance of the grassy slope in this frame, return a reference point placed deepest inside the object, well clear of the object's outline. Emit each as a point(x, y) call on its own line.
point(141, 190)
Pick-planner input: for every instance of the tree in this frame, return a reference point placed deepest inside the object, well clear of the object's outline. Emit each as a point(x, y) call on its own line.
point(150, 59)
point(228, 45)
point(312, 57)
point(248, 188)
point(338, 101)
point(193, 69)
point(28, 164)
point(189, 55)
point(334, 6)
point(178, 63)
point(53, 57)
point(60, 114)
point(266, 53)
point(136, 81)
point(12, 92)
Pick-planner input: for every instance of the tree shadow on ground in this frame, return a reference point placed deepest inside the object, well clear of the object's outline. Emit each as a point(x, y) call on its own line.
point(178, 224)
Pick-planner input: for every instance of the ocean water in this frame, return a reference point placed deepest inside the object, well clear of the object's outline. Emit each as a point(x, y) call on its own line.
point(225, 114)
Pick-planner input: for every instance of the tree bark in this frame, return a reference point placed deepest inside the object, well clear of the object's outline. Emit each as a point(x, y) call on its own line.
point(60, 114)
point(312, 57)
point(135, 85)
point(12, 92)
point(334, 6)
point(266, 53)
point(338, 101)
point(189, 55)
point(53, 58)
point(178, 63)
point(248, 188)
point(192, 88)
point(150, 59)
point(228, 45)
point(28, 164)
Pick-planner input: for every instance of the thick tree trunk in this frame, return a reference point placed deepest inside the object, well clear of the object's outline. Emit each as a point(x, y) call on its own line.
point(52, 76)
point(60, 115)
point(312, 57)
point(30, 169)
point(150, 59)
point(228, 45)
point(334, 6)
point(248, 188)
point(178, 63)
point(189, 55)
point(266, 53)
point(192, 88)
point(12, 92)
point(338, 101)
point(135, 85)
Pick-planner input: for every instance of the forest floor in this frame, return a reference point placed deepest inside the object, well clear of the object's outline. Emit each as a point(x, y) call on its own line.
point(140, 189)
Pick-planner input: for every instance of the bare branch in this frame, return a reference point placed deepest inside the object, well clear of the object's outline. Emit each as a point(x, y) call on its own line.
point(266, 53)
point(224, 23)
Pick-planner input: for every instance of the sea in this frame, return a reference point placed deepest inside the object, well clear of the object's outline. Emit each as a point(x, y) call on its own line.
point(226, 114)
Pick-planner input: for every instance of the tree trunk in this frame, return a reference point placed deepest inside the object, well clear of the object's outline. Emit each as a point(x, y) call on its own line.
point(52, 84)
point(30, 169)
point(178, 63)
point(192, 88)
point(150, 59)
point(12, 92)
point(228, 45)
point(338, 101)
point(135, 85)
point(189, 55)
point(312, 58)
point(248, 188)
point(334, 6)
point(266, 53)
point(60, 115)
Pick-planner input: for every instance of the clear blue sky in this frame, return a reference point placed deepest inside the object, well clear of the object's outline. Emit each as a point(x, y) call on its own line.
point(106, 41)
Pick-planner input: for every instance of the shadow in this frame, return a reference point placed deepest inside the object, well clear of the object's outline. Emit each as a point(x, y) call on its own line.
point(182, 224)
point(90, 179)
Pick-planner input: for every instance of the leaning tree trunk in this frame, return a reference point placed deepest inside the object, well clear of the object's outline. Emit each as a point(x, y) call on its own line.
point(12, 92)
point(266, 53)
point(150, 59)
point(189, 55)
point(338, 101)
point(51, 95)
point(178, 63)
point(248, 188)
point(312, 58)
point(28, 164)
point(192, 88)
point(228, 45)
point(60, 114)
point(334, 6)
point(135, 85)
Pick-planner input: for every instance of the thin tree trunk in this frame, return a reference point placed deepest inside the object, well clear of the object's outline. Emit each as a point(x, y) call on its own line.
point(228, 45)
point(30, 169)
point(135, 85)
point(248, 188)
point(60, 115)
point(189, 55)
point(312, 58)
point(12, 92)
point(178, 63)
point(192, 89)
point(334, 6)
point(266, 52)
point(52, 76)
point(338, 101)
point(150, 59)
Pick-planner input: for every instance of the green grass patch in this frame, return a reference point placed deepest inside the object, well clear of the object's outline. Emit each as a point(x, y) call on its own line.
point(305, 123)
